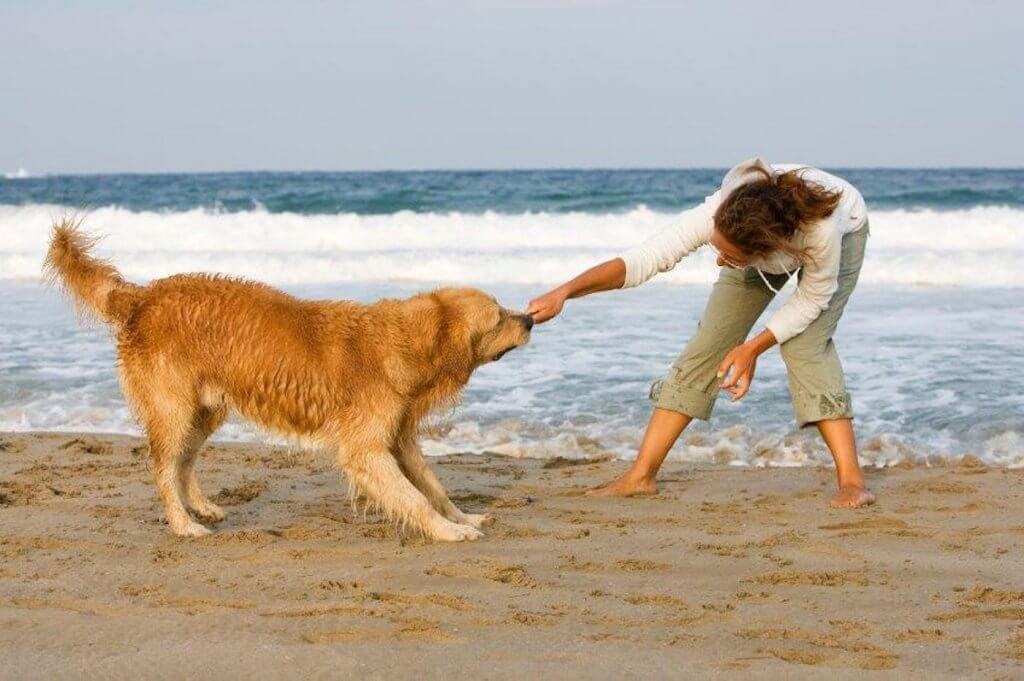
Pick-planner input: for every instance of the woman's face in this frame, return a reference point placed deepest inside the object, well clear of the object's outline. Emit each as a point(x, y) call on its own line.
point(729, 254)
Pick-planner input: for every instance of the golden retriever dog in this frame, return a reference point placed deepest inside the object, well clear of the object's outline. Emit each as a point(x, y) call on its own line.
point(353, 379)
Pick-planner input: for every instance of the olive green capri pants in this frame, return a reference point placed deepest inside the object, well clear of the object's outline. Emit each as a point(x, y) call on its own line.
point(816, 382)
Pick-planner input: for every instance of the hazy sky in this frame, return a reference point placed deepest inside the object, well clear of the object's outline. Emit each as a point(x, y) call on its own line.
point(106, 86)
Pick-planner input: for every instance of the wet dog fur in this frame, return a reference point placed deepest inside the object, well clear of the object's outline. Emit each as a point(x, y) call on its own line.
point(354, 379)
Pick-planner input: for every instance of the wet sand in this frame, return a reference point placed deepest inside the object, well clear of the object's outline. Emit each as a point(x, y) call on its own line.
point(729, 572)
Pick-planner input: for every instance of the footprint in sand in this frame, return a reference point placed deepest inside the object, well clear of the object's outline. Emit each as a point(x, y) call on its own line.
point(87, 446)
point(11, 446)
point(244, 493)
point(1015, 647)
point(842, 646)
point(17, 494)
point(513, 575)
point(938, 486)
point(830, 579)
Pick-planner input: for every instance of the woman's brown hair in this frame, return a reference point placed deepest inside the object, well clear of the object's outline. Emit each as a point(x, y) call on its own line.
point(762, 216)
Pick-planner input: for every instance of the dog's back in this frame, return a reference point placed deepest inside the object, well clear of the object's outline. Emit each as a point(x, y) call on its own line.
point(240, 344)
point(208, 341)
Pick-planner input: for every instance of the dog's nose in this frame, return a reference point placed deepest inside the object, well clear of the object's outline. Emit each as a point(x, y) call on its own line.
point(527, 321)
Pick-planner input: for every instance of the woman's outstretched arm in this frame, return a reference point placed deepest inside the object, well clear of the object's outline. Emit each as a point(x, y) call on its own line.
point(607, 276)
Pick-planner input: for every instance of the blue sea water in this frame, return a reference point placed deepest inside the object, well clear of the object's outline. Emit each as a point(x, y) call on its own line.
point(517, 191)
point(932, 340)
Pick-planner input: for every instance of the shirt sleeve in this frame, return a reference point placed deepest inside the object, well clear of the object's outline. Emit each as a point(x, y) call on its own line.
point(663, 251)
point(818, 282)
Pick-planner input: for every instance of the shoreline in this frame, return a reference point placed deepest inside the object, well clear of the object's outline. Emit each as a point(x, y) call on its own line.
point(876, 453)
point(730, 571)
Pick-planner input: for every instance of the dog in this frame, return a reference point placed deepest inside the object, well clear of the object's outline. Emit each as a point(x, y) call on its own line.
point(353, 379)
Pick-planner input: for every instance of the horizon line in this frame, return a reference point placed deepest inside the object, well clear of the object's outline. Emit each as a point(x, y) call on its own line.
point(13, 175)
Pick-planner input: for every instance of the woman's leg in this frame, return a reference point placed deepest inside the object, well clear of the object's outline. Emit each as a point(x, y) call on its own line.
point(663, 429)
point(838, 436)
point(817, 383)
point(689, 391)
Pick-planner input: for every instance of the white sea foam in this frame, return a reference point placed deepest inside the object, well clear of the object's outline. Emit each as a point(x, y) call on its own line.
point(737, 445)
point(980, 246)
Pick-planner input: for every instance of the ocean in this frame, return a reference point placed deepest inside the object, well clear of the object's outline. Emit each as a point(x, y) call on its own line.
point(932, 340)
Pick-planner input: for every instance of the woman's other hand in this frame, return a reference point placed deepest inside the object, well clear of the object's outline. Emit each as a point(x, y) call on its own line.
point(739, 365)
point(738, 369)
point(547, 306)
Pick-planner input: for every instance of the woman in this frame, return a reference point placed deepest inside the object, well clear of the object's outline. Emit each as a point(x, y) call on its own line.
point(764, 223)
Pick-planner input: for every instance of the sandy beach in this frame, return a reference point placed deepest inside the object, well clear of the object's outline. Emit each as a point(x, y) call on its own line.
point(728, 572)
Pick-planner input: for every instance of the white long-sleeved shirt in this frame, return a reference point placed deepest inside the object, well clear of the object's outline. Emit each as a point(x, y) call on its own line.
point(823, 241)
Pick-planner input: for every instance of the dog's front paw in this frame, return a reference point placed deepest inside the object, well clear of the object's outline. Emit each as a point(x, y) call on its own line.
point(191, 529)
point(449, 531)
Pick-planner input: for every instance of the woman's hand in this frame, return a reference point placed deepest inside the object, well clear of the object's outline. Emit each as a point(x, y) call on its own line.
point(609, 275)
point(738, 368)
point(739, 365)
point(547, 306)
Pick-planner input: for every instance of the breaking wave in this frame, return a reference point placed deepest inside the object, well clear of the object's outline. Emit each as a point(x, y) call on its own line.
point(974, 247)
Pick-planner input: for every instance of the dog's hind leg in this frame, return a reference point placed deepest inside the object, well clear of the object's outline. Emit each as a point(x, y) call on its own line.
point(168, 438)
point(377, 475)
point(165, 404)
point(205, 422)
point(415, 467)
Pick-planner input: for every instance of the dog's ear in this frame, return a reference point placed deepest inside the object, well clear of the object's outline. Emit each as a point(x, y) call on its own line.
point(454, 341)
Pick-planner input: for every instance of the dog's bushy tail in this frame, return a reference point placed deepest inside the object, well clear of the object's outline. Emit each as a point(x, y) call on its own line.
point(96, 286)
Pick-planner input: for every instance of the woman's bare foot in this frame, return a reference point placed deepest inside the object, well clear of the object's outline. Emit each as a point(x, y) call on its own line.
point(626, 485)
point(852, 496)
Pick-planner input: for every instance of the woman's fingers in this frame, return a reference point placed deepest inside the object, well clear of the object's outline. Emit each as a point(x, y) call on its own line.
point(733, 371)
point(733, 379)
point(541, 311)
point(738, 385)
point(739, 374)
point(723, 368)
point(536, 309)
point(741, 388)
point(544, 308)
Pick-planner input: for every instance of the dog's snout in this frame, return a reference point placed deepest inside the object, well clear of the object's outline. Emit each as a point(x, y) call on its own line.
point(527, 321)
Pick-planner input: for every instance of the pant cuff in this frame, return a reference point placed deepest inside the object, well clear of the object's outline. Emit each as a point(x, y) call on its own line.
point(692, 402)
point(810, 409)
